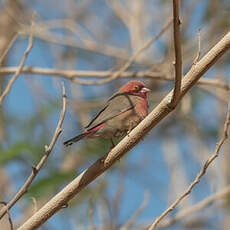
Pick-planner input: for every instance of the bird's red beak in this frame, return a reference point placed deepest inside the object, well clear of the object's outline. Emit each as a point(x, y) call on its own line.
point(145, 90)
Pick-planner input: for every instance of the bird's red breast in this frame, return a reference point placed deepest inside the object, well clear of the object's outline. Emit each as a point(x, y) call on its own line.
point(124, 111)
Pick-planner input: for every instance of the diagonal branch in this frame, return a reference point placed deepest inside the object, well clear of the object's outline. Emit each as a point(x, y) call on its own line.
point(128, 142)
point(12, 80)
point(178, 55)
point(38, 167)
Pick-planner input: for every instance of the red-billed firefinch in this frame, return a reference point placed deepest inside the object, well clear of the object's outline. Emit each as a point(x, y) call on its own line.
point(121, 113)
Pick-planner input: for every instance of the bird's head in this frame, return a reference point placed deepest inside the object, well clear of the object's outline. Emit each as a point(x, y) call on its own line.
point(135, 87)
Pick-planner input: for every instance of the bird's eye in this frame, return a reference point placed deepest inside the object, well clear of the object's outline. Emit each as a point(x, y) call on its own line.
point(136, 87)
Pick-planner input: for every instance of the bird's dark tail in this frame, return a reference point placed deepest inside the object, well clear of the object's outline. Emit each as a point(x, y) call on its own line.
point(74, 139)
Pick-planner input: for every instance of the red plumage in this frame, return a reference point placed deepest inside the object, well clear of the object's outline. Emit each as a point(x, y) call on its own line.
point(121, 113)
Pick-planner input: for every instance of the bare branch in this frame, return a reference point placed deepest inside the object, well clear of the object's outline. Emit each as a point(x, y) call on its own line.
point(38, 167)
point(128, 142)
point(8, 213)
point(8, 48)
point(12, 80)
point(200, 174)
point(178, 55)
point(195, 208)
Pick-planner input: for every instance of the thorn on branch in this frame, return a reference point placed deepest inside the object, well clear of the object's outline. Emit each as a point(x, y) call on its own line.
point(65, 205)
point(188, 192)
point(206, 165)
point(60, 130)
point(199, 48)
point(34, 169)
point(46, 148)
point(170, 106)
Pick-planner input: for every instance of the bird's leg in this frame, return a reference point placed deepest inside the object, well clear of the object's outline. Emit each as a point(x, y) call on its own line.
point(113, 145)
point(131, 126)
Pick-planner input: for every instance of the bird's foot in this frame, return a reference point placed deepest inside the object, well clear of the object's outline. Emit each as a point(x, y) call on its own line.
point(113, 145)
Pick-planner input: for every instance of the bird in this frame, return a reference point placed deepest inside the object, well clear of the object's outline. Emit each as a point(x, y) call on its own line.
point(122, 112)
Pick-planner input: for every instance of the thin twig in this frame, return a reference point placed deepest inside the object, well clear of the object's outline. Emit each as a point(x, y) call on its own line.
point(11, 81)
point(200, 174)
point(178, 54)
point(195, 208)
point(8, 48)
point(128, 225)
point(198, 50)
point(38, 167)
point(8, 214)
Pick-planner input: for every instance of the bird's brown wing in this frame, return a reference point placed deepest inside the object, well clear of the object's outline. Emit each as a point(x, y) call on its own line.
point(117, 104)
